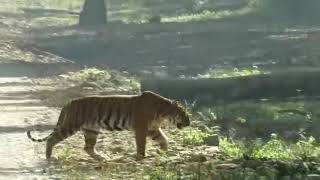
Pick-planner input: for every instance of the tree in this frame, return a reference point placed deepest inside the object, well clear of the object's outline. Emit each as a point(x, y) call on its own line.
point(94, 12)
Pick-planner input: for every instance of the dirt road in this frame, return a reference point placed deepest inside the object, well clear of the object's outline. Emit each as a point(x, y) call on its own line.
point(19, 157)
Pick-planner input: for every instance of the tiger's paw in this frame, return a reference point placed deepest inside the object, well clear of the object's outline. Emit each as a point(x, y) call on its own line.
point(164, 147)
point(52, 160)
point(140, 157)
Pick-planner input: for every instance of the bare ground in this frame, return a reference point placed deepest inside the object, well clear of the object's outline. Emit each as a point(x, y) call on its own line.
point(19, 111)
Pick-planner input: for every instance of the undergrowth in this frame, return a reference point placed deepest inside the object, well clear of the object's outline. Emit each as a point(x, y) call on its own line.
point(235, 72)
point(275, 148)
point(89, 81)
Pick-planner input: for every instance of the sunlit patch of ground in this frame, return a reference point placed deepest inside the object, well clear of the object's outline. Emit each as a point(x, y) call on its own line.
point(19, 112)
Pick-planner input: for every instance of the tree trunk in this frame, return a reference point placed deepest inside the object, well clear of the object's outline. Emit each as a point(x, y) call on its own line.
point(94, 13)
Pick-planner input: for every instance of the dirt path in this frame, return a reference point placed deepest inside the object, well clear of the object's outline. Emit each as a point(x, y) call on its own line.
point(19, 157)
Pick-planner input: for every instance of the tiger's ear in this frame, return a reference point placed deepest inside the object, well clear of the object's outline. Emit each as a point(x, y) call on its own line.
point(174, 102)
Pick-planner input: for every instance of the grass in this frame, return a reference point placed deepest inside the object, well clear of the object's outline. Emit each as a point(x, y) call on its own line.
point(290, 119)
point(305, 150)
point(275, 148)
point(194, 137)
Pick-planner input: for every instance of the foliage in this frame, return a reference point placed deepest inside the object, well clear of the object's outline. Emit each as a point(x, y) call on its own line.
point(252, 119)
point(207, 116)
point(194, 137)
point(235, 72)
point(275, 148)
point(102, 79)
point(231, 147)
point(90, 75)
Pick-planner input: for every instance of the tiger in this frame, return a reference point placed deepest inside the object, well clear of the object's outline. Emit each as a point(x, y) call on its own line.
point(143, 114)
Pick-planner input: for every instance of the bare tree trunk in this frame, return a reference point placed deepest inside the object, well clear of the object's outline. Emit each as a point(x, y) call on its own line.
point(93, 13)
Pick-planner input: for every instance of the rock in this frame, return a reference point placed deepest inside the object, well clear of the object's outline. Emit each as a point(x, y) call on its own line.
point(212, 140)
point(313, 177)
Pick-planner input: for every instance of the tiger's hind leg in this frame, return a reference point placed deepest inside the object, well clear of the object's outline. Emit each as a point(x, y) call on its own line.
point(90, 137)
point(159, 136)
point(56, 137)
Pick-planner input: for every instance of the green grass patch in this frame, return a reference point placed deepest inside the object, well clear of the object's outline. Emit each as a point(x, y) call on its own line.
point(194, 137)
point(275, 148)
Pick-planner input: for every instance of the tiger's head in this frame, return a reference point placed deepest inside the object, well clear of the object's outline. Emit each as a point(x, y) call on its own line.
point(181, 117)
point(167, 109)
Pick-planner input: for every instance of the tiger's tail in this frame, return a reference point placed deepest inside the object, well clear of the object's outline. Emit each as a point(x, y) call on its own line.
point(60, 120)
point(37, 140)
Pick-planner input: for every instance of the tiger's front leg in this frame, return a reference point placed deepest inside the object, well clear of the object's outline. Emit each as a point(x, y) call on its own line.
point(141, 136)
point(90, 141)
point(159, 136)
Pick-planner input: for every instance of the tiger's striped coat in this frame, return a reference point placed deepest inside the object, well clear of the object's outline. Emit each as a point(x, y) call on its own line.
point(141, 113)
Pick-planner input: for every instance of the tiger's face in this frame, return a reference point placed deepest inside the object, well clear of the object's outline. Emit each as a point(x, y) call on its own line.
point(182, 118)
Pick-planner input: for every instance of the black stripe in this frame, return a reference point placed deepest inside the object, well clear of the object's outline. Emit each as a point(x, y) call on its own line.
point(117, 121)
point(106, 121)
point(125, 119)
point(101, 121)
